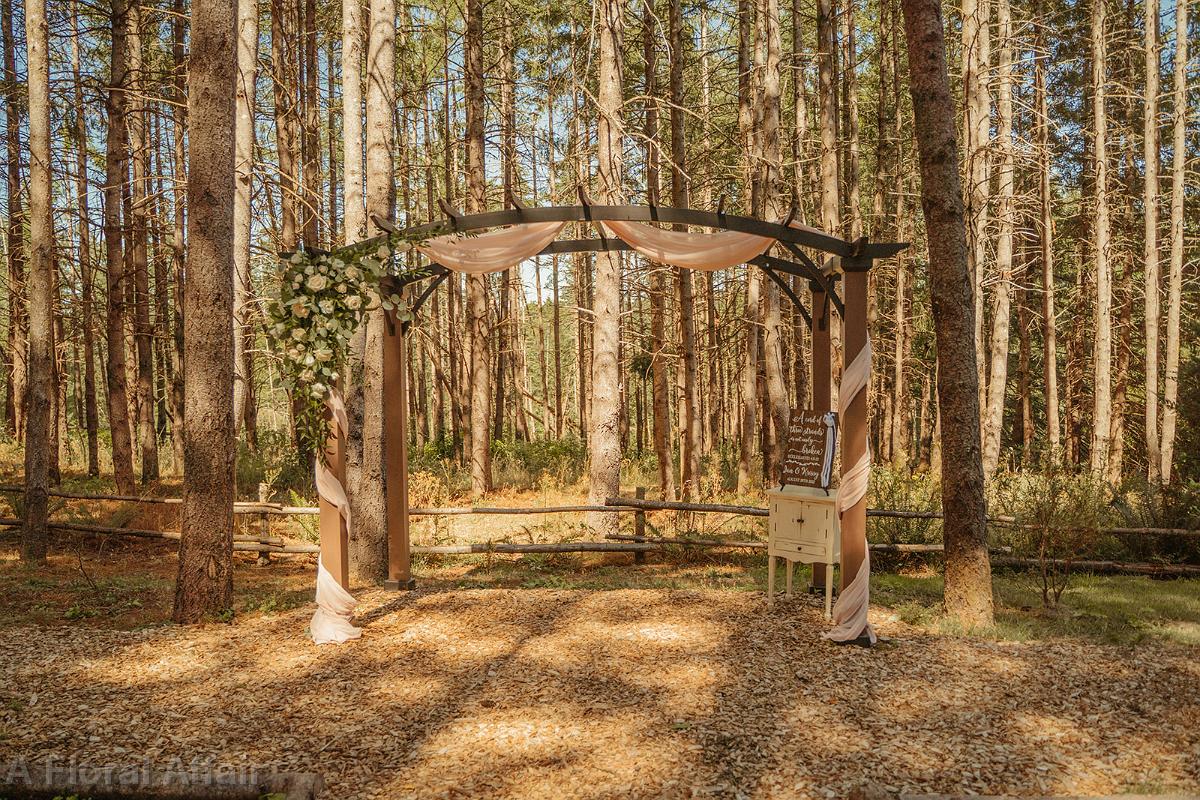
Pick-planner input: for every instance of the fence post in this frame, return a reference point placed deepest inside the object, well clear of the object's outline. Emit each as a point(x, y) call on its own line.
point(264, 527)
point(639, 525)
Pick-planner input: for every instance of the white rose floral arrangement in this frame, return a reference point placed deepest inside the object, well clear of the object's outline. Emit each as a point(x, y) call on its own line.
point(323, 298)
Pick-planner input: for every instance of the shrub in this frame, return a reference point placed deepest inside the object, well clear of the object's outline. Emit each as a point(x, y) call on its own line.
point(1056, 518)
point(1142, 504)
point(274, 463)
point(897, 489)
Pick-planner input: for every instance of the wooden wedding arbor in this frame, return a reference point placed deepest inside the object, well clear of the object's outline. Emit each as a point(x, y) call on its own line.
point(841, 261)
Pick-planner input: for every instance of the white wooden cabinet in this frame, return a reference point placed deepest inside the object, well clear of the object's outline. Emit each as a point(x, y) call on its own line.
point(803, 527)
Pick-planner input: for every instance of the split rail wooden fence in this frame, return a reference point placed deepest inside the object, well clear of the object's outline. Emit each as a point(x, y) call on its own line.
point(638, 543)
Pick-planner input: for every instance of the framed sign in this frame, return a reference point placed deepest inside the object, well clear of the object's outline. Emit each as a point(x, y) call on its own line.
point(811, 442)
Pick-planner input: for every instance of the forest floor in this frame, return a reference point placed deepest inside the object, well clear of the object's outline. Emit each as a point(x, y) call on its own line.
point(592, 677)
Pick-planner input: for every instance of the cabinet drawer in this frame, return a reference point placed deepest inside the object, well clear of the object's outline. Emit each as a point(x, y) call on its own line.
point(811, 549)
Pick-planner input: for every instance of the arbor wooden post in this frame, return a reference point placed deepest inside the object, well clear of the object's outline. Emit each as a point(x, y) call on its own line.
point(854, 418)
point(821, 377)
point(335, 538)
point(395, 454)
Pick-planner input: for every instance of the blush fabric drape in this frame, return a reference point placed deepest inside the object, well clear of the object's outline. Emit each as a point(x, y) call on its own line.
point(492, 251)
point(501, 249)
point(702, 251)
point(850, 610)
point(331, 623)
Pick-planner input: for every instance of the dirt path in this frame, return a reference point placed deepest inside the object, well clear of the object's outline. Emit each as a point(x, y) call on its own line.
point(634, 693)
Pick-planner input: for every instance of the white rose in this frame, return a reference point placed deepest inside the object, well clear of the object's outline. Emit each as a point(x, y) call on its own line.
point(299, 310)
point(307, 375)
point(323, 354)
point(382, 253)
point(353, 302)
point(352, 273)
point(298, 334)
point(317, 282)
point(326, 306)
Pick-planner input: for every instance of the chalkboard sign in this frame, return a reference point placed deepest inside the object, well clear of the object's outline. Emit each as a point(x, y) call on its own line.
point(811, 441)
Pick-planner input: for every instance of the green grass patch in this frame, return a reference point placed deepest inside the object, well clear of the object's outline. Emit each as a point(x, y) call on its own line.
point(1114, 609)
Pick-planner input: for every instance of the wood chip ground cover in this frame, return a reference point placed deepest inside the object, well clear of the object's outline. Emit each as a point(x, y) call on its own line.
point(607, 694)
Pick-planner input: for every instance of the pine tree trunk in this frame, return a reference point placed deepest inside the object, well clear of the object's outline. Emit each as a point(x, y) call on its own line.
point(15, 357)
point(775, 192)
point(716, 395)
point(204, 588)
point(690, 423)
point(968, 592)
point(368, 540)
point(1150, 257)
point(604, 444)
point(86, 273)
point(354, 219)
point(976, 49)
point(143, 333)
point(1175, 278)
point(40, 286)
point(477, 285)
point(663, 442)
point(1001, 303)
point(749, 368)
point(1102, 374)
point(310, 143)
point(1046, 245)
point(850, 91)
point(831, 203)
point(115, 179)
point(243, 338)
point(1025, 353)
point(179, 228)
point(283, 67)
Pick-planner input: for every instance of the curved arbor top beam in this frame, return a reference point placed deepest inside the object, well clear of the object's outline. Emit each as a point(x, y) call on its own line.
point(802, 237)
point(856, 255)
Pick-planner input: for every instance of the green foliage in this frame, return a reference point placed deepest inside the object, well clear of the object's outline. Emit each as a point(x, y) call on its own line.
point(310, 529)
point(1056, 519)
point(273, 462)
point(323, 297)
point(564, 461)
point(899, 490)
point(1142, 504)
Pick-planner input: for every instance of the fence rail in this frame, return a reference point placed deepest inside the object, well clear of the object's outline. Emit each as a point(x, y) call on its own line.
point(638, 543)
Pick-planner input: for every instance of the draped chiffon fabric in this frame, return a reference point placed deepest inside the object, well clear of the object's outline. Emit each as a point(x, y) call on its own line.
point(850, 611)
point(492, 251)
point(331, 622)
point(702, 251)
point(504, 248)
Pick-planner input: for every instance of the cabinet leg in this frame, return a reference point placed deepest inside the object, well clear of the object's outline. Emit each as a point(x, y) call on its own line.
point(788, 579)
point(829, 593)
point(770, 581)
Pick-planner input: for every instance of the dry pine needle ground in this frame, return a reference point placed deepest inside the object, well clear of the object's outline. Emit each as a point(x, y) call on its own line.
point(608, 694)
